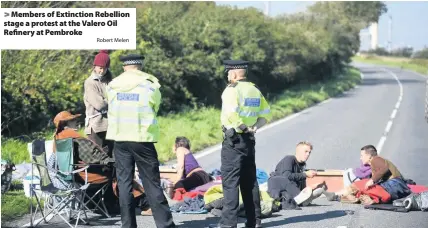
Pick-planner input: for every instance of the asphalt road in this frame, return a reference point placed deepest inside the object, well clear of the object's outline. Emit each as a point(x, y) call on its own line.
point(338, 128)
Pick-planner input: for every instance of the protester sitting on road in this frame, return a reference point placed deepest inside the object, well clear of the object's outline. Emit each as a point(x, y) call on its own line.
point(350, 175)
point(289, 179)
point(384, 174)
point(189, 173)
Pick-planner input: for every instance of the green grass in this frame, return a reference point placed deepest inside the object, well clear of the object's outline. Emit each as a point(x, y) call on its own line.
point(417, 65)
point(15, 204)
point(202, 126)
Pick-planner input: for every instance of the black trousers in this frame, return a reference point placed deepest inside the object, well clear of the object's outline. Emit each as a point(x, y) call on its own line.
point(277, 185)
point(100, 139)
point(146, 158)
point(196, 179)
point(238, 168)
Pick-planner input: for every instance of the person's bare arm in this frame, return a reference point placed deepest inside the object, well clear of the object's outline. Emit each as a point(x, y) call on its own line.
point(180, 163)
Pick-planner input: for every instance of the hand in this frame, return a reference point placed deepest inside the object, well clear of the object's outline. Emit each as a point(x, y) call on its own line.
point(369, 184)
point(252, 129)
point(310, 173)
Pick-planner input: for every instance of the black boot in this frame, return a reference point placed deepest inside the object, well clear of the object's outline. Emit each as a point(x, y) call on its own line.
point(256, 226)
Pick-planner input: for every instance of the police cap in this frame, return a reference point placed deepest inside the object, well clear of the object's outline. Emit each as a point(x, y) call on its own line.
point(235, 64)
point(132, 59)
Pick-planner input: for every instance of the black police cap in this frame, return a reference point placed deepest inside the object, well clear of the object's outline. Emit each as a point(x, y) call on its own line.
point(132, 59)
point(235, 64)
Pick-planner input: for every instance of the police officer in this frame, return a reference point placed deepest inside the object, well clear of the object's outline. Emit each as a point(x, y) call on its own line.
point(134, 99)
point(244, 110)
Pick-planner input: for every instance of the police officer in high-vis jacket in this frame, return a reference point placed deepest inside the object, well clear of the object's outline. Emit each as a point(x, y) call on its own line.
point(244, 110)
point(133, 100)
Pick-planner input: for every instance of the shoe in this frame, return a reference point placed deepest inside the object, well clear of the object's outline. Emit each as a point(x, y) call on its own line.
point(257, 226)
point(220, 226)
point(331, 196)
point(303, 196)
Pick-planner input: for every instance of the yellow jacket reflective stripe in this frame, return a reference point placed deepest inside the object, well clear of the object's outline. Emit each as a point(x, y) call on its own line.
point(243, 103)
point(134, 100)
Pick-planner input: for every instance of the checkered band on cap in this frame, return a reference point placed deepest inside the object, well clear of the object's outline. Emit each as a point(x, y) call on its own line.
point(236, 67)
point(133, 62)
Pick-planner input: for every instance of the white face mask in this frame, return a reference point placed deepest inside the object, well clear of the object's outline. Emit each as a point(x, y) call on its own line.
point(99, 76)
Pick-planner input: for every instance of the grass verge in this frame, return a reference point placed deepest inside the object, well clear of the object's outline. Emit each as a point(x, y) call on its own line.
point(417, 65)
point(15, 204)
point(202, 126)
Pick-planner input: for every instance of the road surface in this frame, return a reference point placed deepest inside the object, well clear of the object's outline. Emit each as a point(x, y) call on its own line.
point(386, 110)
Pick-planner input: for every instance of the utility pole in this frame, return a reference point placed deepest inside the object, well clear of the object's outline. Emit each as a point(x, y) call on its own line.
point(267, 6)
point(374, 35)
point(390, 34)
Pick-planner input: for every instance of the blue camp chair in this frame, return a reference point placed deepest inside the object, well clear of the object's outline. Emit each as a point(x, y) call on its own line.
point(58, 186)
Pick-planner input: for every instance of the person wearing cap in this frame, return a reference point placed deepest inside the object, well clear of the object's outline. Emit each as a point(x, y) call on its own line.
point(66, 125)
point(244, 110)
point(134, 98)
point(96, 101)
point(86, 151)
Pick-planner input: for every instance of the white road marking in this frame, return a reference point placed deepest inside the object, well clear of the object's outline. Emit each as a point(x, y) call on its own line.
point(388, 126)
point(393, 114)
point(217, 147)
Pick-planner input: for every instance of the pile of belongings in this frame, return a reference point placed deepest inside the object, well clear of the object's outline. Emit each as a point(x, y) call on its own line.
point(190, 206)
point(209, 198)
point(214, 202)
point(413, 202)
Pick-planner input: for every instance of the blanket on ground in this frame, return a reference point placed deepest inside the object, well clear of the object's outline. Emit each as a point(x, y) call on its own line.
point(377, 193)
point(190, 206)
point(180, 194)
point(205, 187)
point(417, 188)
point(213, 199)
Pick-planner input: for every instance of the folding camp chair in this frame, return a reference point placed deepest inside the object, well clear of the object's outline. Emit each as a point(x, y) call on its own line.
point(100, 193)
point(99, 176)
point(58, 186)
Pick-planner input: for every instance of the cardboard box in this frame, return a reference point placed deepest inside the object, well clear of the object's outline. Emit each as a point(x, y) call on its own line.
point(333, 179)
point(168, 172)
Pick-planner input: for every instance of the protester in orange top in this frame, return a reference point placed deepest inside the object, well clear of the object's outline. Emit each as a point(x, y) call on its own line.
point(66, 127)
